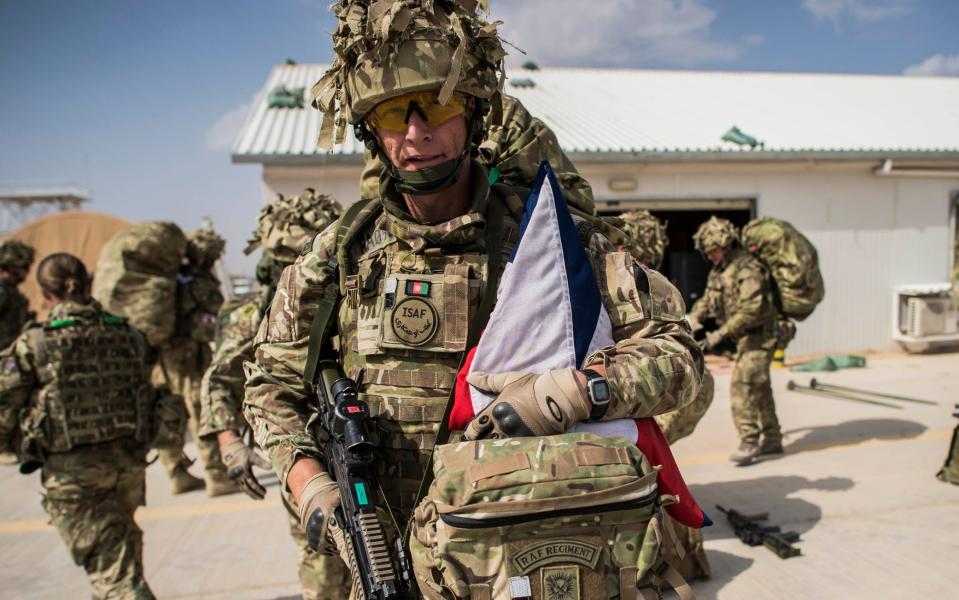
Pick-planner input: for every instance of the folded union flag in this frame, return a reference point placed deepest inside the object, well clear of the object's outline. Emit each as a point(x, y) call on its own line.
point(549, 315)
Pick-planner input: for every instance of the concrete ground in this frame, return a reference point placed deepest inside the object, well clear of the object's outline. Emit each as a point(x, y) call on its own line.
point(857, 482)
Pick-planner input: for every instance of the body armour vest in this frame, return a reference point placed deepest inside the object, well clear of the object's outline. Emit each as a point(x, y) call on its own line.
point(93, 375)
point(411, 294)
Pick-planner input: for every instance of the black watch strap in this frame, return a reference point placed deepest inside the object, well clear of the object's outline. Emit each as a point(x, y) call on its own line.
point(598, 406)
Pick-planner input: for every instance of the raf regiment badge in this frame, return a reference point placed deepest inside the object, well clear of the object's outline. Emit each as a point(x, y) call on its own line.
point(561, 583)
point(414, 320)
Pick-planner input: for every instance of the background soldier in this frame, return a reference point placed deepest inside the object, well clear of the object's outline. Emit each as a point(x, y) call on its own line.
point(283, 229)
point(428, 226)
point(79, 362)
point(15, 260)
point(186, 356)
point(739, 296)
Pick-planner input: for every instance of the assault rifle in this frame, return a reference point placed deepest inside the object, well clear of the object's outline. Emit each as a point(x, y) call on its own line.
point(382, 573)
point(751, 533)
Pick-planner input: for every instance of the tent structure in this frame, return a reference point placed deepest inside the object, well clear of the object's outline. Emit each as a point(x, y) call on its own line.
point(81, 233)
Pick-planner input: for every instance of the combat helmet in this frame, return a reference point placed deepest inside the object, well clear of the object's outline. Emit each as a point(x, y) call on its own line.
point(383, 49)
point(647, 236)
point(16, 254)
point(204, 247)
point(287, 224)
point(715, 234)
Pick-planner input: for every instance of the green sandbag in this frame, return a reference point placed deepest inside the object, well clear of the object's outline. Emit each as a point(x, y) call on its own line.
point(833, 362)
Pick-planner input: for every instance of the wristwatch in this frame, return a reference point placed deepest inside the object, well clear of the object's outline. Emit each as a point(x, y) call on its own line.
point(597, 390)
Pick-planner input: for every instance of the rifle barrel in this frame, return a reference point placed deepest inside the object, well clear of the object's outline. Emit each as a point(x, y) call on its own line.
point(818, 385)
point(795, 387)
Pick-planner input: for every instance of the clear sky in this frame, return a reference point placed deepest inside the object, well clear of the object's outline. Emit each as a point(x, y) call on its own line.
point(140, 101)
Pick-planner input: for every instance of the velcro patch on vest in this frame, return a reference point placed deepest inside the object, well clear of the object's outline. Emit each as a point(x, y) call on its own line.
point(415, 321)
point(417, 288)
point(556, 551)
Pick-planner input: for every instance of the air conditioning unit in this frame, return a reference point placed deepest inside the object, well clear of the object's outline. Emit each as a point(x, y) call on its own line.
point(931, 316)
point(924, 315)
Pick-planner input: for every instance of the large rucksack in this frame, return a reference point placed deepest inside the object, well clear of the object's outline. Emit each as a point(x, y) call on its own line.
point(793, 263)
point(136, 277)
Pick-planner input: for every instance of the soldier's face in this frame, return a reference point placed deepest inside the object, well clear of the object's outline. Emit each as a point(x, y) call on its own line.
point(422, 146)
point(716, 256)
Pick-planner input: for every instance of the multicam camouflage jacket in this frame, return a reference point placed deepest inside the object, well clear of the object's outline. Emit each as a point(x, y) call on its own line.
point(13, 312)
point(739, 296)
point(411, 290)
point(221, 393)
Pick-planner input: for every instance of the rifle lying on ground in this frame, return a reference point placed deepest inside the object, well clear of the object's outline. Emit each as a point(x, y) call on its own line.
point(349, 460)
point(751, 533)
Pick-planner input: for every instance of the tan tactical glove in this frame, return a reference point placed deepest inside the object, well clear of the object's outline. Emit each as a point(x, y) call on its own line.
point(240, 460)
point(528, 404)
point(319, 499)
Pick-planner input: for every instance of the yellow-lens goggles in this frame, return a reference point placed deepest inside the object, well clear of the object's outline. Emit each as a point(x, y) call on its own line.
point(394, 114)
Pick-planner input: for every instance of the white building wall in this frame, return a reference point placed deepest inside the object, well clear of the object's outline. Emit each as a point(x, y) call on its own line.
point(872, 232)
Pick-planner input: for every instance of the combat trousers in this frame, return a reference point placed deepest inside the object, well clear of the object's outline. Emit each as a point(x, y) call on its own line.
point(184, 362)
point(681, 422)
point(91, 495)
point(754, 412)
point(321, 577)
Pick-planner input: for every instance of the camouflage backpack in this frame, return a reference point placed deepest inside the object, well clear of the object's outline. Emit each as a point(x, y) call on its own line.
point(136, 277)
point(793, 263)
point(571, 516)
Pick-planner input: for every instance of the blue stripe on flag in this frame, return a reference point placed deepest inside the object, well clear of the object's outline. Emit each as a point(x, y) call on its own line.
point(584, 294)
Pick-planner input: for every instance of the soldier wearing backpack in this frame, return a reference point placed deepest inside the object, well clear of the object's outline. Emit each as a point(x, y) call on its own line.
point(283, 228)
point(739, 296)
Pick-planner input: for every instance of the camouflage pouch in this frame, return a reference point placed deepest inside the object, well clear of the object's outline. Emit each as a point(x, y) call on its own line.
point(571, 516)
point(169, 419)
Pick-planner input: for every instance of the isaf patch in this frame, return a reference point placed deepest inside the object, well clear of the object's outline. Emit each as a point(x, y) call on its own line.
point(415, 321)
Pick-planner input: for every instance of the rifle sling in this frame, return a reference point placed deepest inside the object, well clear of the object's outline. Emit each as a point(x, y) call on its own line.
point(331, 297)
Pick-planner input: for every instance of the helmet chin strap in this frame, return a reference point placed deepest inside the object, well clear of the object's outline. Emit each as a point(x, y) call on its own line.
point(428, 180)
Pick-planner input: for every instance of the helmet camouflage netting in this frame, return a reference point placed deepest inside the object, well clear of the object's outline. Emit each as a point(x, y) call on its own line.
point(647, 236)
point(204, 246)
point(714, 234)
point(286, 225)
point(14, 253)
point(386, 48)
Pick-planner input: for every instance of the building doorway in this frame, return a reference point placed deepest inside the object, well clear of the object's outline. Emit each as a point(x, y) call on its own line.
point(683, 264)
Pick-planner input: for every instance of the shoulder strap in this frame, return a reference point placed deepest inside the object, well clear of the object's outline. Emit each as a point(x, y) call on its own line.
point(345, 229)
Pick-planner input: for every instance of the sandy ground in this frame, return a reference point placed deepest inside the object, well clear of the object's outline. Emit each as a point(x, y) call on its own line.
point(857, 482)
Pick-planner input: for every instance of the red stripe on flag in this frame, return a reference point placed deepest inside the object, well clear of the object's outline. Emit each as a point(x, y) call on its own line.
point(462, 412)
point(653, 444)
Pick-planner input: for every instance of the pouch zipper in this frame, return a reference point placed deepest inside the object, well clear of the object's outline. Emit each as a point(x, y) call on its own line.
point(474, 523)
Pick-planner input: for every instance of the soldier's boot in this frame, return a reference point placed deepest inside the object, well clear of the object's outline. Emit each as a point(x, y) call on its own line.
point(746, 454)
point(8, 458)
point(771, 446)
point(181, 481)
point(218, 484)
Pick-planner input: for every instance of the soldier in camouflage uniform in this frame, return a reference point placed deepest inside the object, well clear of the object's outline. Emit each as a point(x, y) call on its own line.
point(950, 470)
point(422, 240)
point(739, 296)
point(186, 356)
point(80, 362)
point(15, 260)
point(283, 228)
